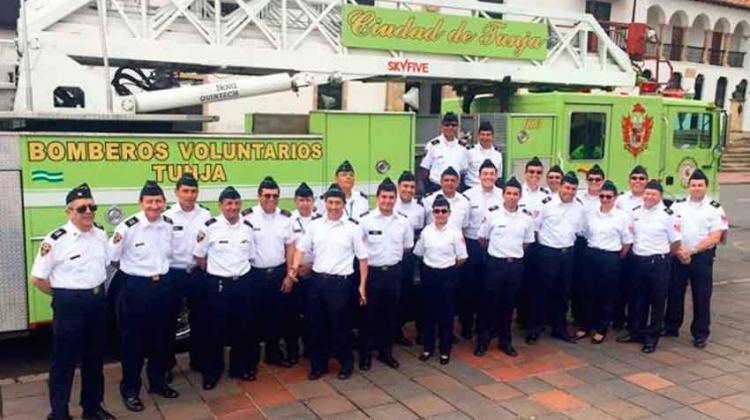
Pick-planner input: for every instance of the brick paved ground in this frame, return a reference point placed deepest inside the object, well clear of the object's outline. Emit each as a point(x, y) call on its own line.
point(551, 380)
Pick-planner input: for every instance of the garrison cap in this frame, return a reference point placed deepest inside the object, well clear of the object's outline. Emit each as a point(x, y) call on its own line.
point(268, 183)
point(303, 191)
point(654, 185)
point(556, 169)
point(486, 126)
point(386, 185)
point(187, 179)
point(450, 117)
point(638, 169)
point(487, 164)
point(151, 188)
point(449, 171)
point(229, 193)
point(698, 175)
point(609, 186)
point(595, 170)
point(534, 162)
point(441, 201)
point(513, 183)
point(406, 176)
point(81, 191)
point(570, 178)
point(345, 166)
point(334, 191)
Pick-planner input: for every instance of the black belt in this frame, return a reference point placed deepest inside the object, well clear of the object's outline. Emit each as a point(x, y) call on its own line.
point(331, 276)
point(271, 270)
point(560, 250)
point(230, 278)
point(93, 291)
point(385, 268)
point(156, 278)
point(605, 251)
point(186, 270)
point(505, 259)
point(652, 257)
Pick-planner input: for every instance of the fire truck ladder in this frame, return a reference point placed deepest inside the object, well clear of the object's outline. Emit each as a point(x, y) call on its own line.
point(64, 44)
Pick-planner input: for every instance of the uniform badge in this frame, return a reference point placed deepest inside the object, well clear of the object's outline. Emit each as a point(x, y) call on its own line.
point(45, 249)
point(201, 236)
point(117, 238)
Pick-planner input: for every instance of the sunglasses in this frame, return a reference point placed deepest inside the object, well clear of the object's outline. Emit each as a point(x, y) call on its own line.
point(606, 196)
point(596, 179)
point(637, 178)
point(450, 125)
point(440, 211)
point(82, 209)
point(534, 172)
point(270, 196)
point(557, 177)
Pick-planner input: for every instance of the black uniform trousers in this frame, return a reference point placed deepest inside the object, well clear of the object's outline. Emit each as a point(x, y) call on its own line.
point(188, 287)
point(439, 288)
point(625, 296)
point(650, 282)
point(382, 310)
point(328, 319)
point(144, 308)
point(470, 285)
point(499, 296)
point(78, 333)
point(231, 304)
point(276, 314)
point(410, 301)
point(578, 281)
point(598, 289)
point(699, 273)
point(530, 272)
point(549, 290)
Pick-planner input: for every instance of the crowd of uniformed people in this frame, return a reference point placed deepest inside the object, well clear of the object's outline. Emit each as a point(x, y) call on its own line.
point(335, 275)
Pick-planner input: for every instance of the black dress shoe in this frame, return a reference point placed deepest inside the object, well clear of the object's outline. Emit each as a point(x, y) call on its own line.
point(564, 336)
point(480, 350)
point(294, 360)
point(699, 343)
point(164, 391)
point(50, 417)
point(283, 362)
point(509, 350)
point(425, 356)
point(403, 341)
point(314, 375)
point(344, 374)
point(389, 361)
point(444, 359)
point(649, 348)
point(532, 338)
point(627, 338)
point(98, 414)
point(247, 376)
point(210, 384)
point(133, 404)
point(365, 362)
point(670, 333)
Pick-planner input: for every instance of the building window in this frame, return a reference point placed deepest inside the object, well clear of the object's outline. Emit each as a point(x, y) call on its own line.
point(330, 96)
point(721, 92)
point(698, 87)
point(494, 15)
point(588, 131)
point(692, 130)
point(366, 2)
point(601, 10)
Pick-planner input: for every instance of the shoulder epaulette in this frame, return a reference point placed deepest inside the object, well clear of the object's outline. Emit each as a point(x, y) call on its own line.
point(364, 214)
point(58, 233)
point(247, 222)
point(462, 142)
point(498, 149)
point(429, 194)
point(317, 216)
point(351, 219)
point(168, 207)
point(435, 142)
point(247, 211)
point(167, 219)
point(210, 221)
point(546, 200)
point(715, 203)
point(466, 196)
point(525, 211)
point(668, 211)
point(203, 207)
point(579, 200)
point(285, 212)
point(419, 201)
point(493, 208)
point(132, 221)
point(681, 200)
point(99, 226)
point(544, 190)
point(470, 147)
point(402, 214)
point(636, 207)
point(363, 195)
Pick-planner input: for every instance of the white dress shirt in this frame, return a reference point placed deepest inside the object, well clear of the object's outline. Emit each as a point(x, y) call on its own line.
point(479, 202)
point(413, 210)
point(559, 223)
point(272, 235)
point(354, 208)
point(442, 155)
point(72, 259)
point(608, 231)
point(507, 232)
point(386, 237)
point(228, 248)
point(333, 245)
point(298, 226)
point(531, 200)
point(477, 155)
point(185, 228)
point(459, 217)
point(590, 202)
point(441, 247)
point(628, 202)
point(143, 248)
point(699, 219)
point(654, 230)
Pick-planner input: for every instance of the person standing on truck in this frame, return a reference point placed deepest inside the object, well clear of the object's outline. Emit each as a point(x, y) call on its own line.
point(656, 236)
point(704, 225)
point(274, 250)
point(442, 248)
point(459, 215)
point(441, 153)
point(389, 238)
point(506, 233)
point(482, 198)
point(554, 179)
point(410, 300)
point(141, 247)
point(71, 266)
point(608, 239)
point(356, 201)
point(559, 222)
point(225, 247)
point(187, 280)
point(628, 201)
point(334, 241)
point(481, 152)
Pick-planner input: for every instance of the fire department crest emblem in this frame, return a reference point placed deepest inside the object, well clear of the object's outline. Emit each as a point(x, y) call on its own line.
point(636, 129)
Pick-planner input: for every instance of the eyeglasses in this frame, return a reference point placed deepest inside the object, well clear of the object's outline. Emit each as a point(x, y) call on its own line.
point(596, 179)
point(82, 209)
point(450, 125)
point(637, 178)
point(440, 211)
point(534, 171)
point(606, 196)
point(270, 196)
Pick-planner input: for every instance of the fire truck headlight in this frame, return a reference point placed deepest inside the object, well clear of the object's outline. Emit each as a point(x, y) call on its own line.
point(114, 215)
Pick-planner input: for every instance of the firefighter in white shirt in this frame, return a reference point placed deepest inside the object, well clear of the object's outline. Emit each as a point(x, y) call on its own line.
point(142, 248)
point(506, 233)
point(459, 217)
point(356, 201)
point(656, 236)
point(482, 151)
point(389, 238)
point(441, 153)
point(554, 179)
point(704, 226)
point(71, 267)
point(224, 248)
